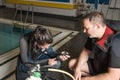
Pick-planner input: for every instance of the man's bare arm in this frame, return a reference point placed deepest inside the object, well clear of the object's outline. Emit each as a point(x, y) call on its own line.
point(112, 74)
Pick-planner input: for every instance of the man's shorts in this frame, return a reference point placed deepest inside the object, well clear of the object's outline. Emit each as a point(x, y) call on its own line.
point(91, 67)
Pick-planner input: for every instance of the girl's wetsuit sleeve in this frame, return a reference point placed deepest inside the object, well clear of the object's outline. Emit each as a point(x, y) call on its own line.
point(25, 54)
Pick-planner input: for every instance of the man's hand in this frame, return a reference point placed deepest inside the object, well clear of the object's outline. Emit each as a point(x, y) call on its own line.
point(77, 74)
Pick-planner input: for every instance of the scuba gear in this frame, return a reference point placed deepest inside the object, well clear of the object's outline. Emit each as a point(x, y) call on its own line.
point(37, 73)
point(34, 73)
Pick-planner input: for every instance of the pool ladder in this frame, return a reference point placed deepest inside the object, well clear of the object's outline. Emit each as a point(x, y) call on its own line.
point(19, 8)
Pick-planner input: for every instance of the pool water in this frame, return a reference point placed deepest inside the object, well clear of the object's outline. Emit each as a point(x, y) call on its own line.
point(10, 36)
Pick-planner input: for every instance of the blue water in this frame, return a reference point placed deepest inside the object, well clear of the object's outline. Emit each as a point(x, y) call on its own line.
point(10, 36)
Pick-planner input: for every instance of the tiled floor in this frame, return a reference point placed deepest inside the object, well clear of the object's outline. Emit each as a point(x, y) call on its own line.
point(73, 46)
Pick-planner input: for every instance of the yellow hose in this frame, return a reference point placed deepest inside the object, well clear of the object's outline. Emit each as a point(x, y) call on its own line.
point(61, 71)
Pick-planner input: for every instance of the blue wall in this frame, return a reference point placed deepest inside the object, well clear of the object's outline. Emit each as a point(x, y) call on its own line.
point(100, 1)
point(96, 2)
point(58, 0)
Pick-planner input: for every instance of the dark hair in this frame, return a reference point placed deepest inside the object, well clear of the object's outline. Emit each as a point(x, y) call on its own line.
point(41, 36)
point(95, 17)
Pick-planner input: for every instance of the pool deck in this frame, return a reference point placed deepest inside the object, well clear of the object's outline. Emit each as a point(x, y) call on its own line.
point(8, 59)
point(73, 46)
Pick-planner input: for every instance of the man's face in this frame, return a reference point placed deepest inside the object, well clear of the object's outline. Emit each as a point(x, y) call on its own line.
point(90, 29)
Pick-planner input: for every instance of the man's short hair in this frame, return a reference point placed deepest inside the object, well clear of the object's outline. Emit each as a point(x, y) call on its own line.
point(95, 17)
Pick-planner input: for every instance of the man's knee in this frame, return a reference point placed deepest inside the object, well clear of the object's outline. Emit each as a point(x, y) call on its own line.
point(72, 64)
point(85, 70)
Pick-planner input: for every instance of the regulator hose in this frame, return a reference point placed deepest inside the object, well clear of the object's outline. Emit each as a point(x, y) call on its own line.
point(61, 71)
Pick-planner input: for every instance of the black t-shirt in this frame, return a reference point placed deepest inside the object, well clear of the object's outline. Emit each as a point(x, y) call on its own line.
point(105, 58)
point(115, 54)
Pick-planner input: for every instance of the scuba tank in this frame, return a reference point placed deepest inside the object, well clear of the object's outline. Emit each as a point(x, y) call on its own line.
point(34, 73)
point(36, 76)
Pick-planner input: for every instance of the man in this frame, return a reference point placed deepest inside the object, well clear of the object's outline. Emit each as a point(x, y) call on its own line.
point(100, 58)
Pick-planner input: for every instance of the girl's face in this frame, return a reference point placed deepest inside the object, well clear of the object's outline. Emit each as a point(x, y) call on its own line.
point(45, 46)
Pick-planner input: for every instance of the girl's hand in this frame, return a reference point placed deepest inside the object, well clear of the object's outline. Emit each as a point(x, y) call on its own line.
point(64, 57)
point(52, 61)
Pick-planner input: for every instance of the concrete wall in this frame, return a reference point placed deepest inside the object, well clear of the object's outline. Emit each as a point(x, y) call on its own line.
point(0, 2)
point(51, 10)
point(111, 11)
point(113, 14)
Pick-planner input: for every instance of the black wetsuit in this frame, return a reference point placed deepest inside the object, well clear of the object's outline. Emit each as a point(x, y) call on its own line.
point(105, 54)
point(24, 58)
